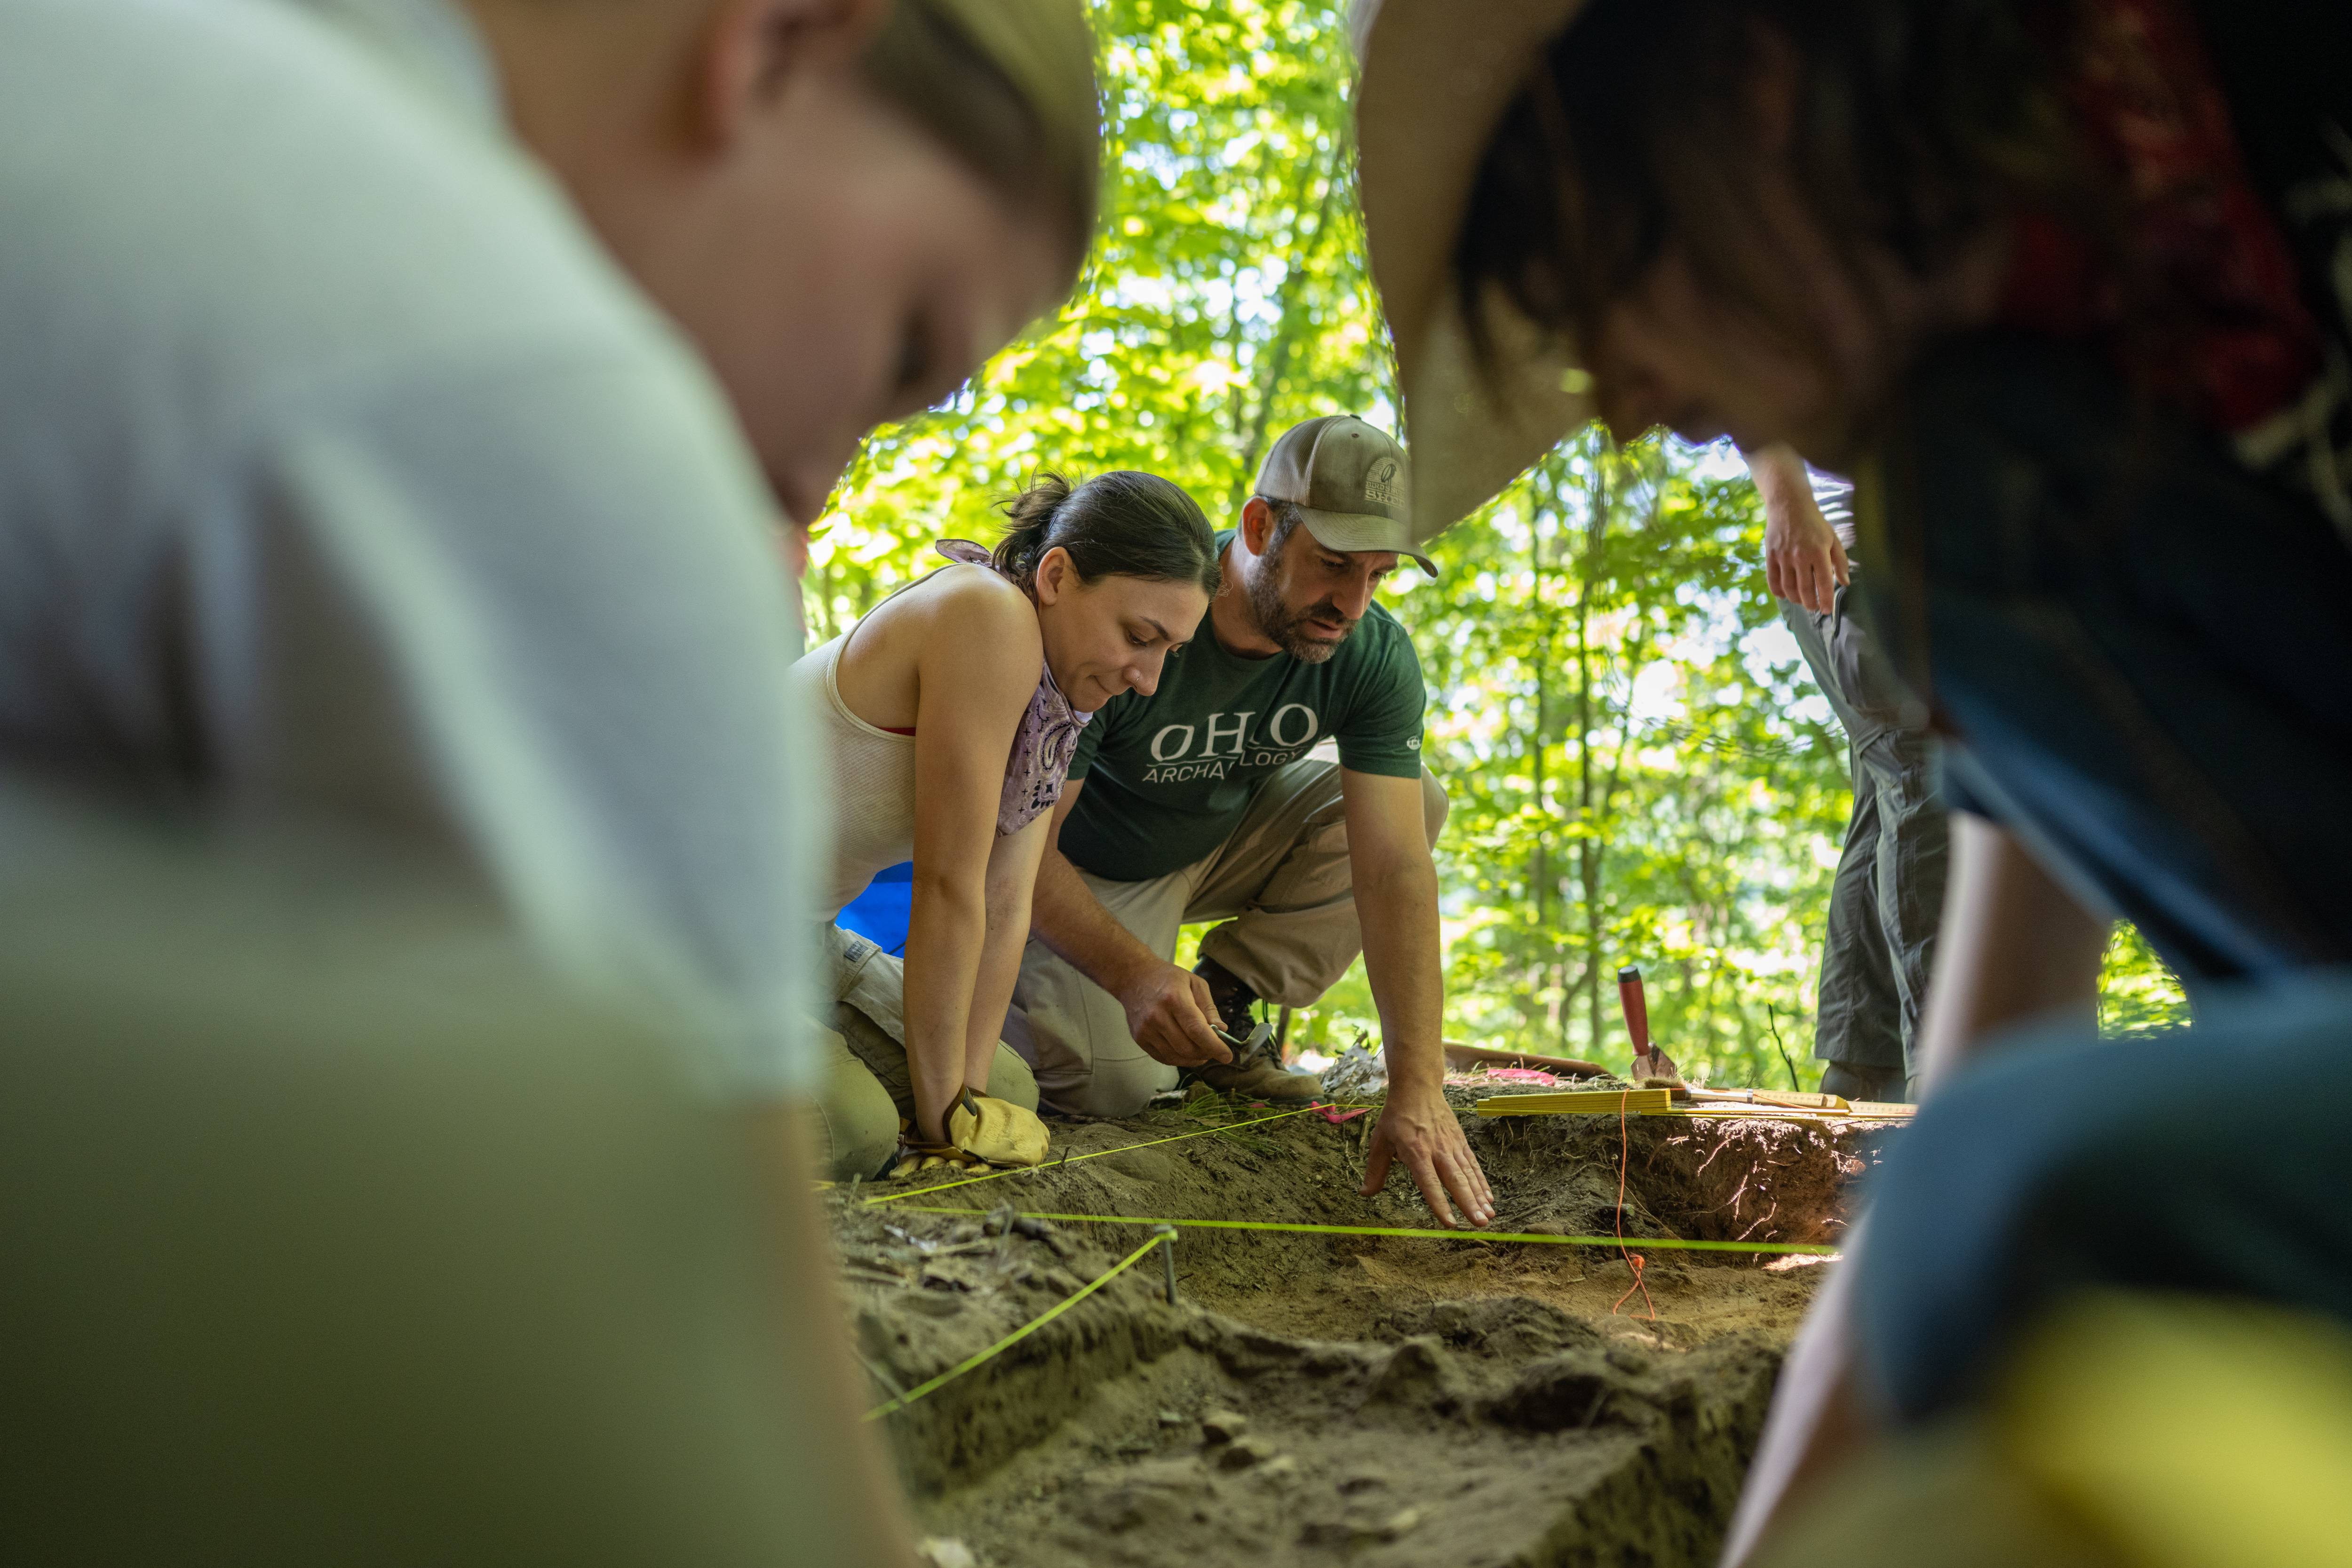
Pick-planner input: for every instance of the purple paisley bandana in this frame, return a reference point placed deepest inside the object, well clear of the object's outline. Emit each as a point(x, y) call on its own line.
point(1046, 741)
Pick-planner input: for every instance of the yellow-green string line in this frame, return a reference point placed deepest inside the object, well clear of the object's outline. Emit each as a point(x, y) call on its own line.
point(1100, 1153)
point(1668, 1243)
point(1009, 1340)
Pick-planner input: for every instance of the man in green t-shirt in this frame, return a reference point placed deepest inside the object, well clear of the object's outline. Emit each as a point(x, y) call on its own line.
point(1197, 800)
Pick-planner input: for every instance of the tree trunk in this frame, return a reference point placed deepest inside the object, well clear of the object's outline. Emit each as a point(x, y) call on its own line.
point(1303, 248)
point(1590, 844)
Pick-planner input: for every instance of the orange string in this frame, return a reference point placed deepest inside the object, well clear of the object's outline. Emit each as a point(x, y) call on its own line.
point(1633, 1260)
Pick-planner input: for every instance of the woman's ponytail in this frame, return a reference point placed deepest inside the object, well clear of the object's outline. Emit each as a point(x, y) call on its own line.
point(1032, 513)
point(1123, 523)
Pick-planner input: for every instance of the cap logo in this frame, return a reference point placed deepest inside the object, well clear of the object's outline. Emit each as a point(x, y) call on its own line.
point(1380, 482)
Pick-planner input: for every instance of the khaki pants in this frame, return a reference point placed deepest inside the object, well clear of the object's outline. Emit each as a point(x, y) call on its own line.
point(868, 1084)
point(1283, 889)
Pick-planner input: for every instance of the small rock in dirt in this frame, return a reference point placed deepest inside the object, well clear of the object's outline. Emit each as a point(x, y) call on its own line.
point(1222, 1425)
point(1171, 1418)
point(946, 1552)
point(1399, 1523)
point(1240, 1454)
point(1362, 1482)
point(1282, 1469)
point(1419, 1372)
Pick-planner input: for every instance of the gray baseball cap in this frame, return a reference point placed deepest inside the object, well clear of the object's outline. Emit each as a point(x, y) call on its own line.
point(1350, 484)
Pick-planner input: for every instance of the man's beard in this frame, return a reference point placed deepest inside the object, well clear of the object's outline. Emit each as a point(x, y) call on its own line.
point(1280, 624)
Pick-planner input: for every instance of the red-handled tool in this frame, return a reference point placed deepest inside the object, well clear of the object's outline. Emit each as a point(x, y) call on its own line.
point(1637, 1011)
point(1649, 1062)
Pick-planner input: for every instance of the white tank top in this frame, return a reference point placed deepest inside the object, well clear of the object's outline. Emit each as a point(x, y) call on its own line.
point(872, 772)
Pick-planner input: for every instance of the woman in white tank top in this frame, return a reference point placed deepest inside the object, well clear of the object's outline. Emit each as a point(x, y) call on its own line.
point(951, 712)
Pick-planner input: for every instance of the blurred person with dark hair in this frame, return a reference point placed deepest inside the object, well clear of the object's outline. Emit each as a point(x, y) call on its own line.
point(2061, 283)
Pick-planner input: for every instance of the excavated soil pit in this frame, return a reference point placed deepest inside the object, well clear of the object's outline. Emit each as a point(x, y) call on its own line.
point(1378, 1400)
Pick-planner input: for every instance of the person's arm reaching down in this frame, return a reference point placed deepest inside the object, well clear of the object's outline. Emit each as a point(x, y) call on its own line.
point(1168, 1008)
point(1012, 884)
point(1396, 901)
point(1804, 563)
point(2015, 946)
point(975, 674)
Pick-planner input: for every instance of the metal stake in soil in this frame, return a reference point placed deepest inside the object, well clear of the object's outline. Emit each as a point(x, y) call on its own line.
point(1167, 1235)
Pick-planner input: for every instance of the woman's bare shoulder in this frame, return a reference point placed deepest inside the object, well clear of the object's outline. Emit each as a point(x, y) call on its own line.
point(980, 628)
point(971, 599)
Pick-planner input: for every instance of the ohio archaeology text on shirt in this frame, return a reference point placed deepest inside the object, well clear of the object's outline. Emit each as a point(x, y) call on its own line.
point(1168, 777)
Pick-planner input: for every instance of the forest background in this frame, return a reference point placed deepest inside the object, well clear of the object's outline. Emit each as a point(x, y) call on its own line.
point(1641, 769)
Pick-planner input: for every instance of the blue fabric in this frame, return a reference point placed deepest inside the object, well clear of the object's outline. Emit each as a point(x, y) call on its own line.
point(2139, 653)
point(2212, 1161)
point(2139, 648)
point(879, 914)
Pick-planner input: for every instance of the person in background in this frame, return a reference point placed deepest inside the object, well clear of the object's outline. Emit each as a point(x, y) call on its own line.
point(2060, 282)
point(951, 711)
point(1888, 897)
point(395, 401)
point(1197, 801)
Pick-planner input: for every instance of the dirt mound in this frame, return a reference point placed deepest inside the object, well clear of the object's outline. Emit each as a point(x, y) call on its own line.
point(1337, 1397)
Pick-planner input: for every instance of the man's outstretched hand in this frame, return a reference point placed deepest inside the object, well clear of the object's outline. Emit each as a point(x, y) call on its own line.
point(1419, 1128)
point(1168, 1013)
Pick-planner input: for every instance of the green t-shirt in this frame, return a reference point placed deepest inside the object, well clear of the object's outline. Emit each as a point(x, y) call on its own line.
point(1170, 775)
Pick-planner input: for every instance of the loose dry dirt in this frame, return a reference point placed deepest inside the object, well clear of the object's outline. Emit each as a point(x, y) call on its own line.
point(1378, 1400)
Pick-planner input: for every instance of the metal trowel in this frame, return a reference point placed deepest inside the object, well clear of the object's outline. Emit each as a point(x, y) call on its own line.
point(1243, 1050)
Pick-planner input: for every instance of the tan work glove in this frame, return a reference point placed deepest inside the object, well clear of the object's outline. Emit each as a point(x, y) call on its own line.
point(916, 1158)
point(996, 1131)
point(921, 1158)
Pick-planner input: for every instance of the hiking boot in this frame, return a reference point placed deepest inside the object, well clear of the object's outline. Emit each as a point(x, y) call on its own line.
point(1256, 1071)
point(1884, 1085)
point(1259, 1076)
point(1235, 1004)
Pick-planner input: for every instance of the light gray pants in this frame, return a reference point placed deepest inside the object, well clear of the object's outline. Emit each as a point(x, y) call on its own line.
point(1284, 892)
point(867, 1084)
